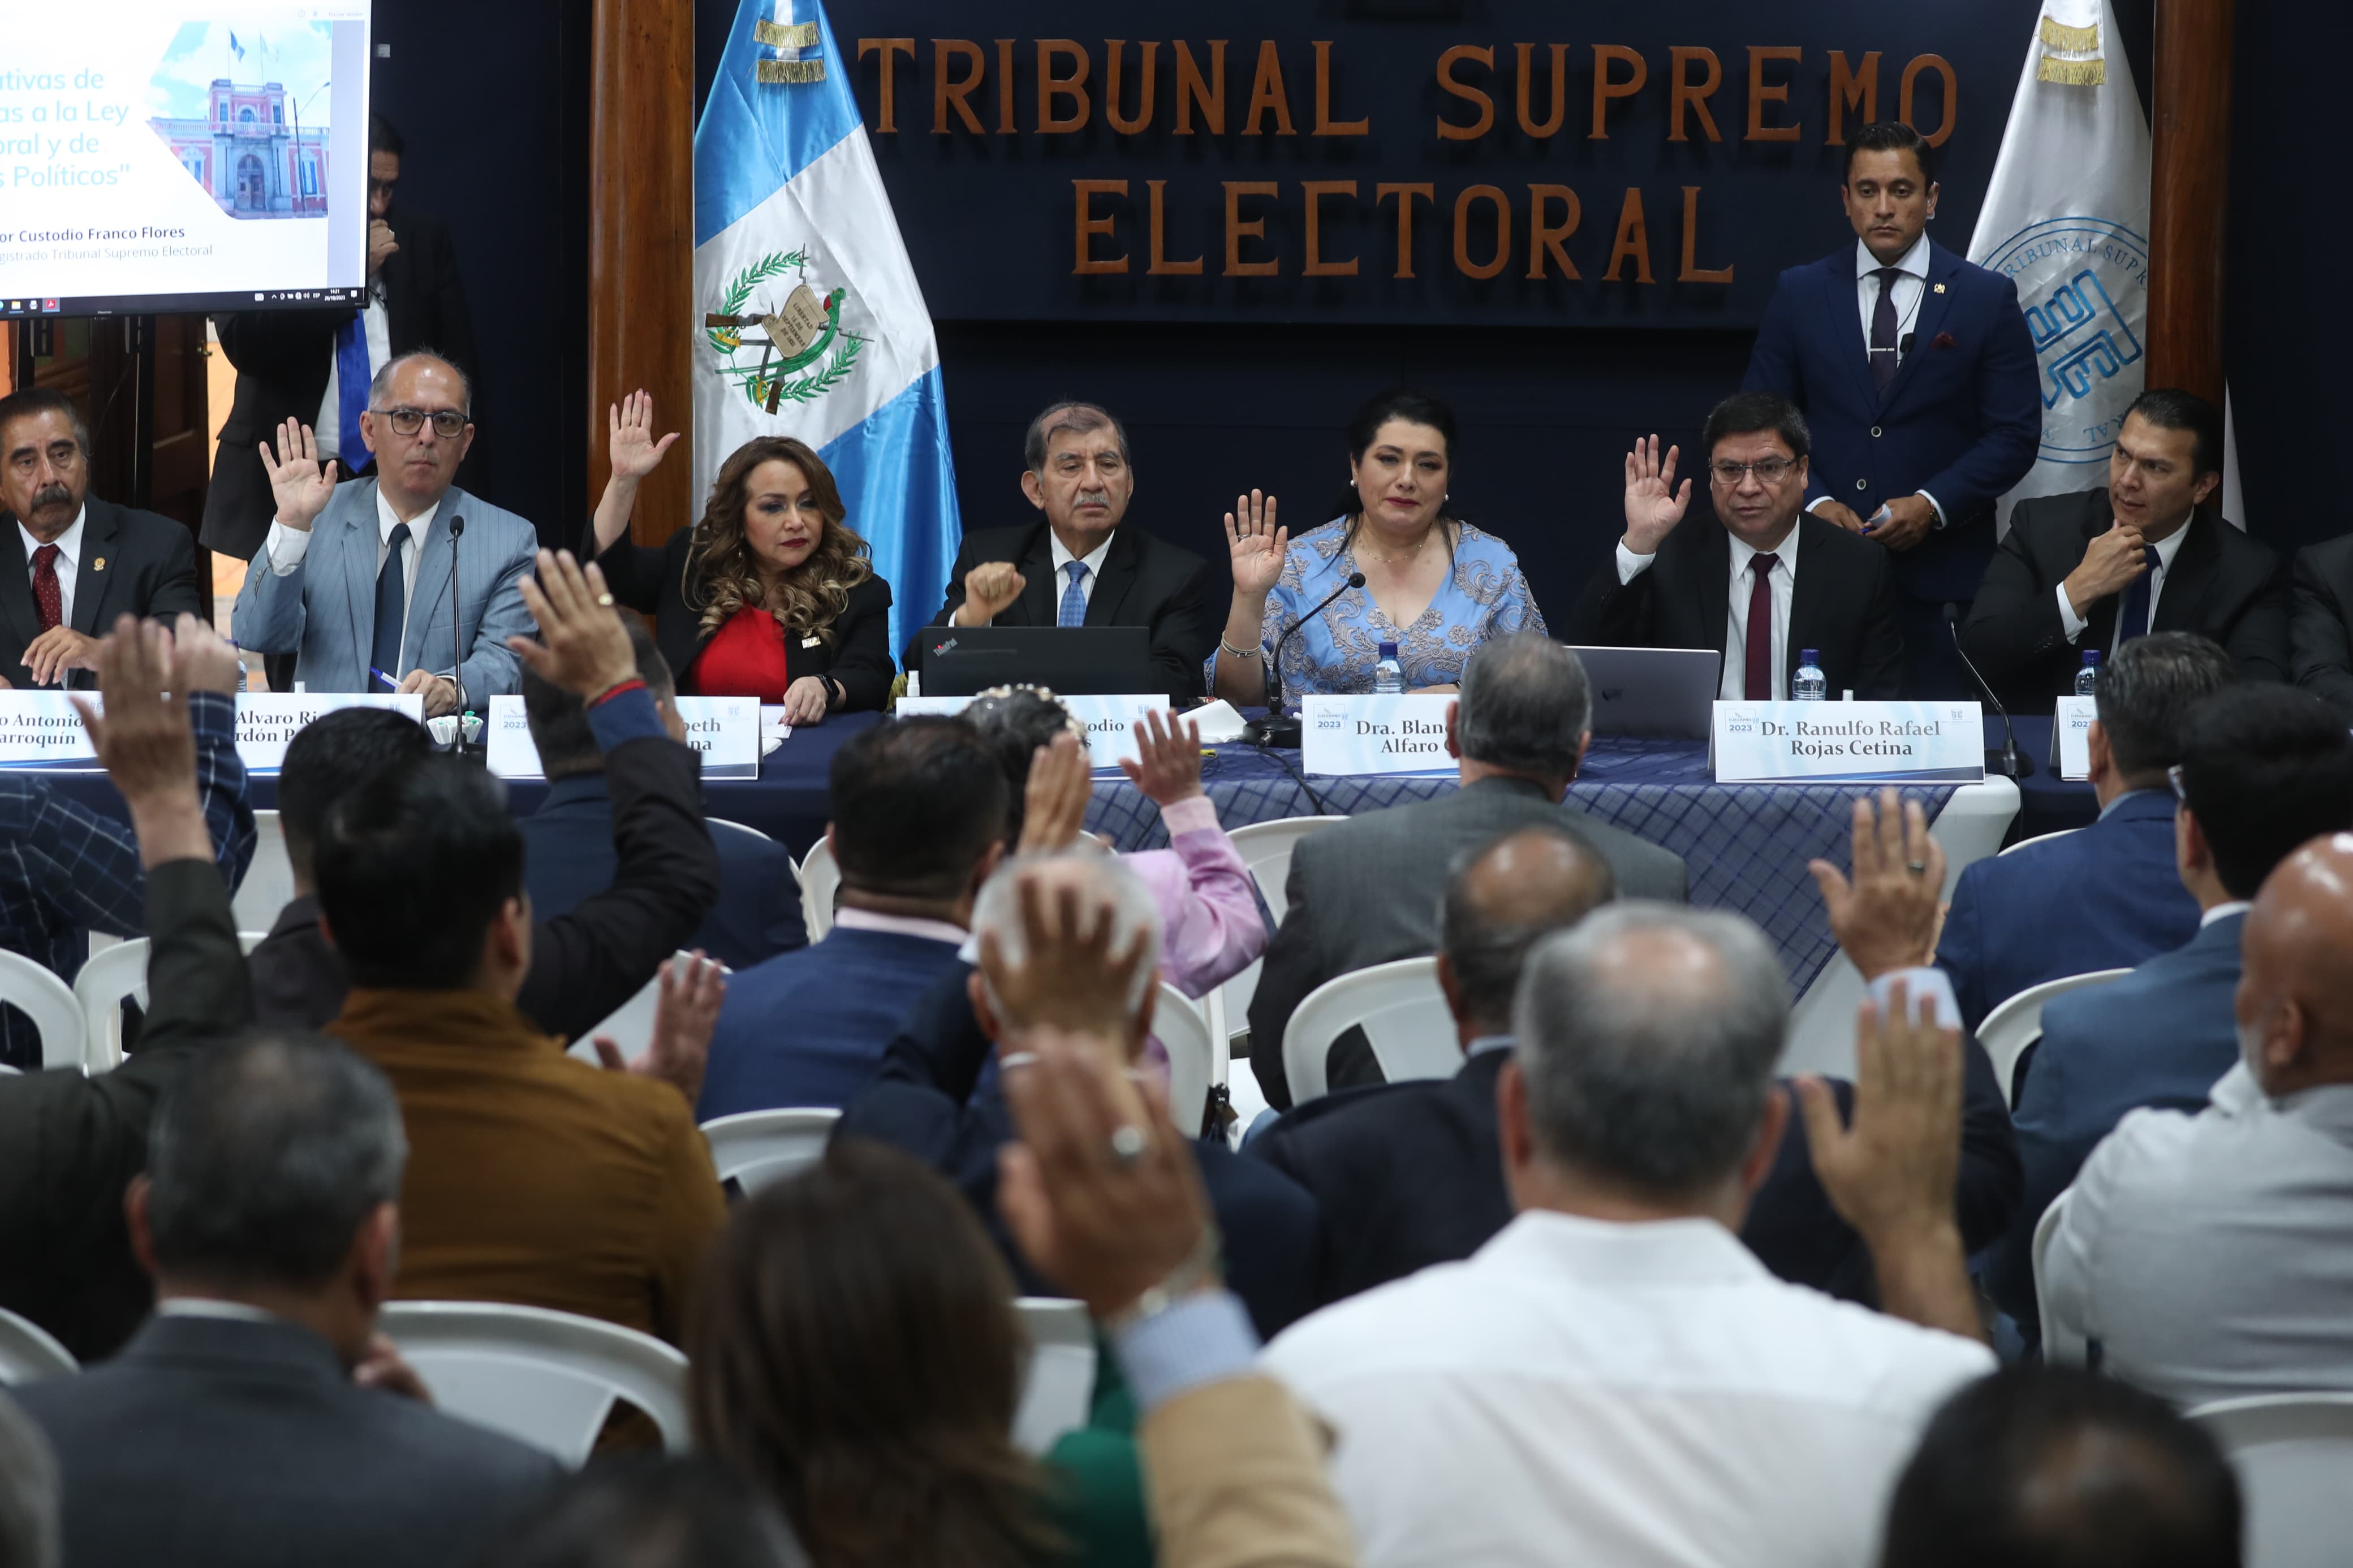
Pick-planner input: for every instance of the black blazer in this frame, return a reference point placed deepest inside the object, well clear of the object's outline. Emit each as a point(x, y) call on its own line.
point(1146, 581)
point(2223, 586)
point(653, 583)
point(2320, 650)
point(133, 563)
point(281, 359)
point(1842, 605)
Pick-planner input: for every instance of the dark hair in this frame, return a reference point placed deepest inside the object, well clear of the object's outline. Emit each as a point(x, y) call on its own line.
point(722, 574)
point(2264, 769)
point(854, 1350)
point(1892, 136)
point(26, 402)
point(2172, 408)
point(1745, 412)
point(1486, 941)
point(330, 757)
point(1365, 426)
point(916, 804)
point(558, 716)
point(383, 138)
point(2056, 1467)
point(2145, 692)
point(266, 1157)
point(650, 1510)
point(1013, 726)
point(413, 867)
point(1068, 418)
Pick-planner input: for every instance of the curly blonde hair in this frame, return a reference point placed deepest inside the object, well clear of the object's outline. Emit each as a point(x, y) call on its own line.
point(721, 565)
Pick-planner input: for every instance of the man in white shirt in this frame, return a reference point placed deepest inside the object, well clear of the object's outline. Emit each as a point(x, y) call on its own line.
point(1614, 1378)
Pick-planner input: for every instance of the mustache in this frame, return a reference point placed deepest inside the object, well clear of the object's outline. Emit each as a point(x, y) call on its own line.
point(1093, 498)
point(52, 495)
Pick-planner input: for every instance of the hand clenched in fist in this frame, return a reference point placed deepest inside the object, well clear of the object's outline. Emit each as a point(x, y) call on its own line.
point(989, 590)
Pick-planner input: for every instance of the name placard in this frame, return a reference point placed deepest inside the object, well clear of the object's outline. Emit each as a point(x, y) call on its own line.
point(42, 727)
point(2071, 737)
point(1392, 733)
point(1110, 721)
point(1858, 743)
point(268, 722)
point(726, 729)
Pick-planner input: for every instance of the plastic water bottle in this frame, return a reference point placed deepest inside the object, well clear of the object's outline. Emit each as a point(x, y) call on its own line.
point(1809, 685)
point(2088, 678)
point(1388, 675)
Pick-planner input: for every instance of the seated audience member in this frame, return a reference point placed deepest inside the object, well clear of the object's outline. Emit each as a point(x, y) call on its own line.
point(28, 1492)
point(934, 1098)
point(2108, 896)
point(390, 542)
point(2320, 645)
point(772, 595)
point(1366, 891)
point(257, 1419)
point(2058, 1468)
point(78, 562)
point(918, 806)
point(652, 1511)
point(1433, 584)
point(1614, 1378)
point(2205, 1252)
point(585, 962)
point(1076, 565)
point(1210, 928)
point(2087, 573)
point(2263, 768)
point(66, 869)
point(569, 855)
point(1774, 581)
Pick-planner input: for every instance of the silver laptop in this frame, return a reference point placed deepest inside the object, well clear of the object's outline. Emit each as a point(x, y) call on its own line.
point(1658, 693)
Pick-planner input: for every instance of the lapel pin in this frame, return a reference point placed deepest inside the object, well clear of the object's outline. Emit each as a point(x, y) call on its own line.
point(99, 564)
point(808, 642)
point(1940, 288)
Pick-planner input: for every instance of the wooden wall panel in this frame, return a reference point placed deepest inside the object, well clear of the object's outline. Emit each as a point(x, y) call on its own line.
point(2190, 195)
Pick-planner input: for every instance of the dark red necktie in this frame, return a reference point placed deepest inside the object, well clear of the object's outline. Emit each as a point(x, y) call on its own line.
point(47, 598)
point(1760, 628)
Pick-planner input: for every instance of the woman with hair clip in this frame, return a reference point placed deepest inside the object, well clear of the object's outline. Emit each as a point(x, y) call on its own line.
point(770, 595)
point(1434, 586)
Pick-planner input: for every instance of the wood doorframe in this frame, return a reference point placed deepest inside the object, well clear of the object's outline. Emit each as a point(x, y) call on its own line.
point(2190, 192)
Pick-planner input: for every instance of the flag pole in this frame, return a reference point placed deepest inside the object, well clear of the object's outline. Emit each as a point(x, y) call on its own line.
point(2190, 195)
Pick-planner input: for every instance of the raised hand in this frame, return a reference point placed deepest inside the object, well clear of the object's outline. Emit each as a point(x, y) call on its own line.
point(587, 650)
point(989, 590)
point(1888, 917)
point(1167, 768)
point(629, 440)
point(201, 661)
point(1653, 503)
point(301, 487)
point(1257, 545)
point(2110, 563)
point(1066, 977)
point(1054, 800)
point(686, 1011)
point(145, 744)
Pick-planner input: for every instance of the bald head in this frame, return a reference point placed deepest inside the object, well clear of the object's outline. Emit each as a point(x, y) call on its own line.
point(1501, 898)
point(2294, 1003)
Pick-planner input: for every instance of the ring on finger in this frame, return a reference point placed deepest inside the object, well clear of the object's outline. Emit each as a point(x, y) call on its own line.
point(604, 601)
point(1917, 868)
point(1127, 1143)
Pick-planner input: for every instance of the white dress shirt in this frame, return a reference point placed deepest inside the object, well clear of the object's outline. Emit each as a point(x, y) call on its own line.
point(1093, 559)
point(69, 545)
point(286, 547)
point(1734, 684)
point(2166, 549)
point(329, 426)
point(1638, 1394)
point(1910, 283)
point(902, 925)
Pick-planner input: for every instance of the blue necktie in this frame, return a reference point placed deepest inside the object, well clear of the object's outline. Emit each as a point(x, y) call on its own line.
point(2133, 621)
point(351, 396)
point(1074, 599)
point(391, 608)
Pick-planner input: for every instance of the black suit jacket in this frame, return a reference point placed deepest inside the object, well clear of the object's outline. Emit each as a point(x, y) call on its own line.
point(133, 563)
point(282, 356)
point(1843, 604)
point(2223, 586)
point(653, 581)
point(1408, 1175)
point(1146, 581)
point(217, 1441)
point(2320, 649)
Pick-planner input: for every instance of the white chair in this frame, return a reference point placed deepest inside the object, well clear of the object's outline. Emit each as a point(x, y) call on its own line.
point(1265, 849)
point(1184, 1032)
point(112, 976)
point(820, 882)
point(1057, 1386)
point(2040, 838)
point(548, 1379)
point(269, 882)
point(2062, 1345)
point(27, 1353)
point(755, 1148)
point(721, 829)
point(1399, 1008)
point(2016, 1023)
point(50, 1002)
point(2293, 1453)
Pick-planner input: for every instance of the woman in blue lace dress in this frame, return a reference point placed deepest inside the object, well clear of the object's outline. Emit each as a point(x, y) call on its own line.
point(1434, 586)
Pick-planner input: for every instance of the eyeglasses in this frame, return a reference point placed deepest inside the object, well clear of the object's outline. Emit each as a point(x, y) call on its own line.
point(447, 423)
point(1768, 470)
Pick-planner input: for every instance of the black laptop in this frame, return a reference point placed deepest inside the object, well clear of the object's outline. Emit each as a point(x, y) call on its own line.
point(1659, 693)
point(1075, 661)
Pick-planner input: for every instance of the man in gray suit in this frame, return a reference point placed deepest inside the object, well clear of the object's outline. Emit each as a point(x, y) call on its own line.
point(1367, 891)
point(257, 1420)
point(357, 577)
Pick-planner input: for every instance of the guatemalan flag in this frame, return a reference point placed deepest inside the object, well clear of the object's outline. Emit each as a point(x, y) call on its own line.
point(808, 321)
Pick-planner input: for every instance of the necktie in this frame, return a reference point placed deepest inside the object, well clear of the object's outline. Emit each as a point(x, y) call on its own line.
point(2133, 622)
point(1074, 599)
point(391, 608)
point(1760, 628)
point(1885, 360)
point(352, 395)
point(47, 598)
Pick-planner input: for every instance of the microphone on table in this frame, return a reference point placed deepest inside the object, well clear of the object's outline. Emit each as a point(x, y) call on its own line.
point(2009, 761)
point(457, 642)
point(1278, 728)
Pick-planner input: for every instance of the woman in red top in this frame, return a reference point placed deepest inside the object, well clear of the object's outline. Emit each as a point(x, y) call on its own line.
point(771, 596)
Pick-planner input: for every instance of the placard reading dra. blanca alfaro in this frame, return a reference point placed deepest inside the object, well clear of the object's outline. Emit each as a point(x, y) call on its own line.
point(1394, 732)
point(726, 729)
point(1858, 743)
point(1110, 721)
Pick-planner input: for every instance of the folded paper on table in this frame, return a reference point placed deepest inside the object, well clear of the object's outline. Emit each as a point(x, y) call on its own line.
point(42, 726)
point(1859, 742)
point(1390, 732)
point(2071, 737)
point(726, 729)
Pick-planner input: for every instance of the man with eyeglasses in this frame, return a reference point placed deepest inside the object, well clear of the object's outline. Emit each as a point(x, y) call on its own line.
point(357, 578)
point(1772, 582)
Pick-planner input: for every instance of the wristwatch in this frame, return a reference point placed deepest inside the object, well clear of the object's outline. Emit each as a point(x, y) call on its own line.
point(1199, 1268)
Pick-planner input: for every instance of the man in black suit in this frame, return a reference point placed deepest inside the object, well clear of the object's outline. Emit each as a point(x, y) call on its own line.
point(2087, 573)
point(256, 1419)
point(1773, 582)
point(2320, 645)
point(73, 563)
point(1079, 566)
